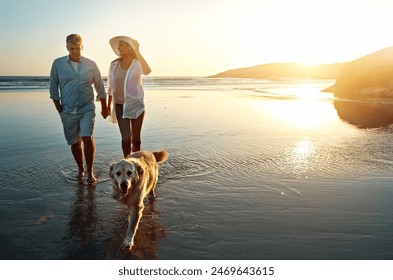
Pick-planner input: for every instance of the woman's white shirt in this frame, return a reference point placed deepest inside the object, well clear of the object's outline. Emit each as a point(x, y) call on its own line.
point(133, 88)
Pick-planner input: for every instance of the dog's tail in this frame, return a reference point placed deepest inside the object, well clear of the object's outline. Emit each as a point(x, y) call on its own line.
point(160, 156)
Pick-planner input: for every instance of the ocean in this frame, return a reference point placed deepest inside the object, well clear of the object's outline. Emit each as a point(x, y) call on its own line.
point(257, 169)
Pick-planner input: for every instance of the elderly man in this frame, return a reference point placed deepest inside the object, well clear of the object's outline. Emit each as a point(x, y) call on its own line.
point(71, 80)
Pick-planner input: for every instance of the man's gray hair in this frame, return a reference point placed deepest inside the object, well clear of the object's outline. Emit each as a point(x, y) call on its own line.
point(74, 38)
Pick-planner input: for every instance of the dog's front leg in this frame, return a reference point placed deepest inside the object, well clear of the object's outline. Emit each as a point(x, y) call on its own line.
point(133, 222)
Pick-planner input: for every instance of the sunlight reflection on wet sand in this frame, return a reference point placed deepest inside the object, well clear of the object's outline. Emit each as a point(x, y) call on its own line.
point(247, 177)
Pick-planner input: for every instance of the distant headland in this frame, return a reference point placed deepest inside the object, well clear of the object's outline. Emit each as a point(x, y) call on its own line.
point(284, 70)
point(363, 88)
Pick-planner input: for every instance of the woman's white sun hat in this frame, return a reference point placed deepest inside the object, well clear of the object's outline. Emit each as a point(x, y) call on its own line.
point(114, 42)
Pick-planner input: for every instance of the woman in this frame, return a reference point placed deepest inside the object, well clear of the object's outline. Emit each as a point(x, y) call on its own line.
point(126, 93)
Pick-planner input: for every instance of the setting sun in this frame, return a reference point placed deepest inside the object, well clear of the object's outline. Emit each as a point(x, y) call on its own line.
point(309, 32)
point(232, 34)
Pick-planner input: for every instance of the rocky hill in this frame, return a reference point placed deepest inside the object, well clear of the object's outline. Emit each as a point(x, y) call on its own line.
point(368, 77)
point(284, 70)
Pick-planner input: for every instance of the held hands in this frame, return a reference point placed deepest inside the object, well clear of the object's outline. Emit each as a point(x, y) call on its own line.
point(105, 109)
point(105, 112)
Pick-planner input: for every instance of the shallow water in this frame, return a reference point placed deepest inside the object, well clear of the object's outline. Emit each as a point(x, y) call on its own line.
point(255, 172)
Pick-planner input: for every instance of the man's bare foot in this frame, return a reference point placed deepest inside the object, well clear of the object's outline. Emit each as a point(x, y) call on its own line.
point(81, 175)
point(91, 179)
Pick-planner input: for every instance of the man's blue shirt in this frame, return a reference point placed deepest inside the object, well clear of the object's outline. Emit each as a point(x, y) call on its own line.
point(74, 88)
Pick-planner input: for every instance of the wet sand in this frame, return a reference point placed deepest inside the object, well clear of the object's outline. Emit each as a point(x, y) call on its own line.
point(249, 176)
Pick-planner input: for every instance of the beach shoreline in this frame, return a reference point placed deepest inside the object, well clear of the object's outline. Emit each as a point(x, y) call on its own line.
point(252, 174)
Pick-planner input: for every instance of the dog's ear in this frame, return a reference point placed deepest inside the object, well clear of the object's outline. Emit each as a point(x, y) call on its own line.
point(140, 170)
point(111, 169)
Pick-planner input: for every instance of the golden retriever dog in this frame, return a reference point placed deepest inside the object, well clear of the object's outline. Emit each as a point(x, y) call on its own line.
point(133, 179)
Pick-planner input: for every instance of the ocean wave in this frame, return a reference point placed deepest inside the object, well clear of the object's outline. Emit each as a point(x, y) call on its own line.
point(16, 83)
point(284, 89)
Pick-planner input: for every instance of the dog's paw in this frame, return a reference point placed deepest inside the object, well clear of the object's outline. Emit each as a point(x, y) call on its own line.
point(128, 243)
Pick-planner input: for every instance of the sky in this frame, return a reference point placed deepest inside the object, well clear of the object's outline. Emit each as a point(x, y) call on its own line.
point(193, 38)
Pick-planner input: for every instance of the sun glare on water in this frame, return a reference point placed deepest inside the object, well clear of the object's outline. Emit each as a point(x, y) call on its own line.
point(301, 152)
point(300, 107)
point(303, 114)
